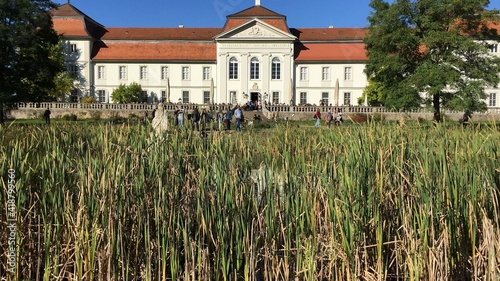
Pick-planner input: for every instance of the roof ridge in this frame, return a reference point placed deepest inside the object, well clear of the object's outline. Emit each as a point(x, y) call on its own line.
point(78, 12)
point(243, 12)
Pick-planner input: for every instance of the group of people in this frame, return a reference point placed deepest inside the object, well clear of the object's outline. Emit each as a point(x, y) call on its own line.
point(201, 119)
point(331, 117)
point(252, 105)
point(227, 116)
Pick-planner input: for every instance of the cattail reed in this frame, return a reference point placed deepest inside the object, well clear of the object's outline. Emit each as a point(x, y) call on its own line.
point(372, 202)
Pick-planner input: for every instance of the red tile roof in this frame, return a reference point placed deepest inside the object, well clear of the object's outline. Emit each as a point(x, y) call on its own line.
point(69, 21)
point(186, 44)
point(263, 14)
point(256, 11)
point(330, 52)
point(278, 23)
point(329, 34)
point(156, 51)
point(66, 10)
point(194, 34)
point(70, 27)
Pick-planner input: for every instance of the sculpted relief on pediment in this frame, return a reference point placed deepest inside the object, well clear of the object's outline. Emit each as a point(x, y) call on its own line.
point(255, 31)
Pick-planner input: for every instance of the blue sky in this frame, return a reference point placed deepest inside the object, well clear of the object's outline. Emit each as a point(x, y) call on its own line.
point(212, 13)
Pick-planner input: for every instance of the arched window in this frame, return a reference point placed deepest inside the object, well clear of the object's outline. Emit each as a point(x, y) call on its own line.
point(233, 68)
point(276, 69)
point(254, 68)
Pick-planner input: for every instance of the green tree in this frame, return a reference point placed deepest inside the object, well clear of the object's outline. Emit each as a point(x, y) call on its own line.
point(432, 52)
point(375, 92)
point(64, 82)
point(126, 94)
point(27, 61)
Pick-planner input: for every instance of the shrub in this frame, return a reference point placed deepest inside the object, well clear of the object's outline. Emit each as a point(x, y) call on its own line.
point(377, 117)
point(96, 115)
point(116, 118)
point(69, 117)
point(127, 94)
point(358, 117)
point(89, 99)
point(421, 120)
point(133, 116)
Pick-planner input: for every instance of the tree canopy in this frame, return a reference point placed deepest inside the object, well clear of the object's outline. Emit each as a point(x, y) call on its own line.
point(126, 94)
point(28, 60)
point(433, 52)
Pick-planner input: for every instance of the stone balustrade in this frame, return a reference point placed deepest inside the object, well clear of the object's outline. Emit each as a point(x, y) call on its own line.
point(84, 110)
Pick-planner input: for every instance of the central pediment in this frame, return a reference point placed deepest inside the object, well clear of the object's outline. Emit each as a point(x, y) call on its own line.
point(255, 29)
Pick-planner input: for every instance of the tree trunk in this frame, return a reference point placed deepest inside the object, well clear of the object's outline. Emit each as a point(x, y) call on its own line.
point(436, 105)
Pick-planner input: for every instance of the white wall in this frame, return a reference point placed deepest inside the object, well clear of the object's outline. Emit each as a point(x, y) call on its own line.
point(314, 85)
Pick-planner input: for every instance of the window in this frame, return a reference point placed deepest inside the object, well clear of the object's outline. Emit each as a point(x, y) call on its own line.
point(73, 48)
point(163, 96)
point(303, 98)
point(348, 73)
point(185, 96)
point(164, 72)
point(232, 96)
point(123, 72)
point(325, 74)
point(73, 70)
point(73, 96)
point(347, 98)
point(324, 97)
point(494, 48)
point(493, 99)
point(254, 68)
point(101, 95)
point(144, 72)
point(276, 97)
point(144, 96)
point(233, 68)
point(185, 73)
point(206, 97)
point(101, 71)
point(276, 69)
point(303, 73)
point(206, 73)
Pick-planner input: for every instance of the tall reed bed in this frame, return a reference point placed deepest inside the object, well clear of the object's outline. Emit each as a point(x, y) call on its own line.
point(371, 202)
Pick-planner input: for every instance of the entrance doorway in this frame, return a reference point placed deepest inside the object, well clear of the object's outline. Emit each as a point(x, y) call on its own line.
point(254, 96)
point(254, 100)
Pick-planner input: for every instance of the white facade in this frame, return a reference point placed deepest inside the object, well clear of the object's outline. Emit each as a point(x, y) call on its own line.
point(253, 61)
point(155, 78)
point(259, 44)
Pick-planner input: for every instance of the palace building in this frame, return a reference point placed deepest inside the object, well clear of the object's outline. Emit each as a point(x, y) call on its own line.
point(255, 56)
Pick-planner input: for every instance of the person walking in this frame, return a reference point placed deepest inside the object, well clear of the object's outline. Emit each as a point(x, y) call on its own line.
point(176, 116)
point(335, 116)
point(196, 119)
point(317, 116)
point(328, 119)
point(339, 119)
point(466, 118)
point(220, 119)
point(239, 117)
point(204, 119)
point(229, 117)
point(46, 116)
point(180, 118)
